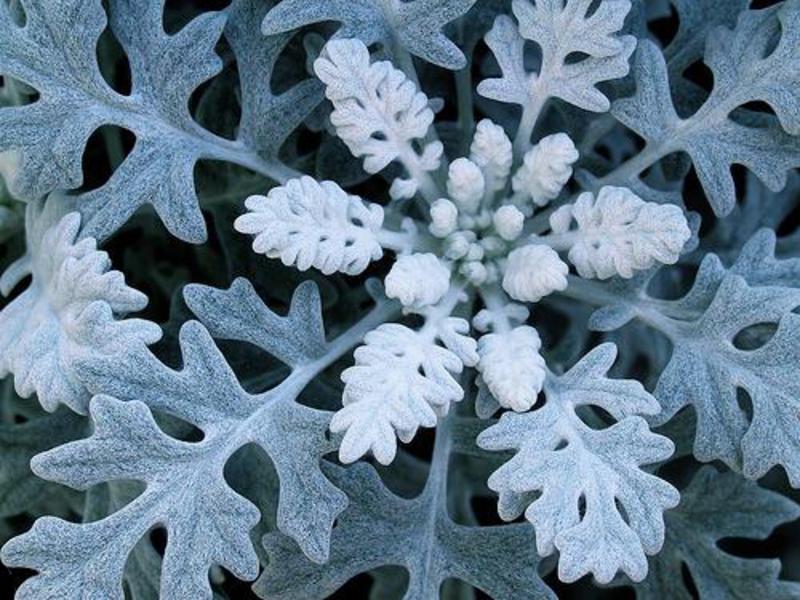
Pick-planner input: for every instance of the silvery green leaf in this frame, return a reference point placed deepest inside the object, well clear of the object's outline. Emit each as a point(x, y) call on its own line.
point(87, 560)
point(267, 118)
point(213, 528)
point(715, 506)
point(707, 369)
point(415, 25)
point(55, 54)
point(758, 264)
point(711, 136)
point(418, 534)
point(570, 464)
point(696, 19)
point(238, 313)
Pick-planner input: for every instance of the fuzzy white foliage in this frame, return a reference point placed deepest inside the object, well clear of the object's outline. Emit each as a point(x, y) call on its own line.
point(546, 169)
point(417, 280)
point(491, 150)
point(511, 366)
point(68, 312)
point(618, 233)
point(444, 218)
point(377, 109)
point(465, 184)
point(533, 272)
point(310, 224)
point(402, 380)
point(457, 245)
point(508, 222)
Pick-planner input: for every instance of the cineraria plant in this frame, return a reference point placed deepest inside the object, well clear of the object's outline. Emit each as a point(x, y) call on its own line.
point(527, 263)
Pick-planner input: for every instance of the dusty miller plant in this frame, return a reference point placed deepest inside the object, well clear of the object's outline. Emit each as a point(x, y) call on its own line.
point(458, 294)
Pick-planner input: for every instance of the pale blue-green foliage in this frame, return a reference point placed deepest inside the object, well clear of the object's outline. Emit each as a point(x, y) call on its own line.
point(715, 506)
point(382, 529)
point(185, 490)
point(260, 492)
point(415, 25)
point(55, 54)
point(745, 69)
point(706, 368)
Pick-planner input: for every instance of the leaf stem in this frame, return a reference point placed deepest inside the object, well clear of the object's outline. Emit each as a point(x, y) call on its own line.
point(527, 123)
point(644, 308)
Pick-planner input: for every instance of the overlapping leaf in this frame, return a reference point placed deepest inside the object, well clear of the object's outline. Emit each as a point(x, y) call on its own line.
point(716, 506)
point(72, 310)
point(719, 353)
point(415, 25)
point(380, 529)
point(560, 28)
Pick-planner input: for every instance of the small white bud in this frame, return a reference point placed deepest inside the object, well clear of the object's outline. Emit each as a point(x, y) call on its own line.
point(493, 245)
point(546, 168)
point(475, 272)
point(475, 251)
point(465, 184)
point(466, 221)
point(483, 219)
point(491, 151)
point(508, 222)
point(492, 273)
point(532, 272)
point(457, 245)
point(511, 367)
point(444, 218)
point(417, 280)
point(402, 188)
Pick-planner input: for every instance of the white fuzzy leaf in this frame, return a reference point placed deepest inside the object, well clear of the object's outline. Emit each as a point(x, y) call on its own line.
point(377, 109)
point(511, 367)
point(402, 380)
point(310, 224)
point(618, 233)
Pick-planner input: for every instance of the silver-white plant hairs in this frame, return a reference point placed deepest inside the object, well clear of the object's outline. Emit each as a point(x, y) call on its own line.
point(522, 232)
